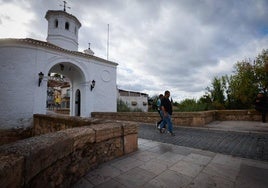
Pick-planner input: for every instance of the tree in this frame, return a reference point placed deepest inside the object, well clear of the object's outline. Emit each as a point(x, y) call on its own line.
point(243, 87)
point(261, 71)
point(238, 91)
point(152, 102)
point(217, 91)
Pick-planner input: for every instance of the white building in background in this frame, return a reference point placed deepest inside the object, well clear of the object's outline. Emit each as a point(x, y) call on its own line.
point(26, 63)
point(134, 100)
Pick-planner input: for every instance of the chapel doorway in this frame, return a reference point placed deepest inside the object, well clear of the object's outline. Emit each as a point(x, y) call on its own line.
point(71, 88)
point(77, 103)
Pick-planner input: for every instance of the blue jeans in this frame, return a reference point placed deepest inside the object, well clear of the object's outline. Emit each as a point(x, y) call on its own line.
point(167, 120)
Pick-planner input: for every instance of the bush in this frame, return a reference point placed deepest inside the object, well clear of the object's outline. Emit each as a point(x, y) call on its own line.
point(191, 105)
point(123, 107)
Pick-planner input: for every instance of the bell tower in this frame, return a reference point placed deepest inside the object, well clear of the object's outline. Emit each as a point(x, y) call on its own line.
point(63, 29)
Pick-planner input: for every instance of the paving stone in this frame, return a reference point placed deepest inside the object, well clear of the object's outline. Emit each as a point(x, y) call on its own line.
point(193, 158)
point(252, 177)
point(144, 156)
point(255, 163)
point(182, 150)
point(197, 159)
point(155, 166)
point(242, 144)
point(149, 144)
point(221, 171)
point(204, 153)
point(170, 157)
point(204, 180)
point(165, 162)
point(135, 177)
point(227, 160)
point(127, 164)
point(110, 184)
point(169, 179)
point(142, 141)
point(83, 183)
point(102, 174)
point(187, 168)
point(161, 148)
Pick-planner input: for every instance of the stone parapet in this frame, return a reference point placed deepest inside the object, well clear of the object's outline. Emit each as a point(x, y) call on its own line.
point(50, 123)
point(195, 119)
point(12, 135)
point(60, 158)
point(192, 119)
point(238, 115)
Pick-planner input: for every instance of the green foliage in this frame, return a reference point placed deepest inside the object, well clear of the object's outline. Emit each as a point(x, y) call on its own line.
point(136, 110)
point(123, 107)
point(191, 105)
point(152, 103)
point(217, 90)
point(238, 91)
point(261, 71)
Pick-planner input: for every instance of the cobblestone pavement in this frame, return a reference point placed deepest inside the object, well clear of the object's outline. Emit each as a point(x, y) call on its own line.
point(239, 144)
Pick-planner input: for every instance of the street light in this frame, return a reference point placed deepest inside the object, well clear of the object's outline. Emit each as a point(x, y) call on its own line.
point(92, 84)
point(41, 76)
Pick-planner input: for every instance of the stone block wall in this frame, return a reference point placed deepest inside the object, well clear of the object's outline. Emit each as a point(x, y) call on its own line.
point(145, 117)
point(238, 115)
point(45, 124)
point(51, 123)
point(60, 158)
point(192, 119)
point(12, 135)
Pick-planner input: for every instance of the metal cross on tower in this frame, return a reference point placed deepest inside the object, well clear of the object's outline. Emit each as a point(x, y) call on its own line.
point(64, 6)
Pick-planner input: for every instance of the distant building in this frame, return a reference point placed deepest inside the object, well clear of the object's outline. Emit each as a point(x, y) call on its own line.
point(134, 100)
point(27, 63)
point(65, 97)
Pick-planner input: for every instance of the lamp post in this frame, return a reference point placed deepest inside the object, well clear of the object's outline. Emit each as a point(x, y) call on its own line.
point(92, 84)
point(41, 76)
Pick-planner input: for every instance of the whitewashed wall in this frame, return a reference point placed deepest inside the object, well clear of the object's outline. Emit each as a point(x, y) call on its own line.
point(20, 95)
point(60, 36)
point(141, 102)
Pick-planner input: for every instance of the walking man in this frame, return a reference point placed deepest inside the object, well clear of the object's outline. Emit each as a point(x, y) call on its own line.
point(261, 105)
point(166, 108)
point(158, 103)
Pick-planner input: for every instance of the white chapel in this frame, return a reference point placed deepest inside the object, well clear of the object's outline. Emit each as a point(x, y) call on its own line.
point(27, 63)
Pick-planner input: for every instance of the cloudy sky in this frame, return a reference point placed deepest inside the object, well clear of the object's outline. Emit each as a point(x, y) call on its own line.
point(176, 45)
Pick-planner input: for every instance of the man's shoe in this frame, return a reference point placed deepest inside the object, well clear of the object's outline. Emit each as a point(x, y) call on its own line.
point(161, 130)
point(172, 134)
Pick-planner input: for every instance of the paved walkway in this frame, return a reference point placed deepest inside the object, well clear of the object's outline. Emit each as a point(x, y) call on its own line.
point(250, 141)
point(158, 164)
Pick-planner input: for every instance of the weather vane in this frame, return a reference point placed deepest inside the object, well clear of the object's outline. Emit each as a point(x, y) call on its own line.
point(64, 6)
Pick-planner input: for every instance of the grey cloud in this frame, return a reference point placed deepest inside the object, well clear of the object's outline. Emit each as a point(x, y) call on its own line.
point(168, 44)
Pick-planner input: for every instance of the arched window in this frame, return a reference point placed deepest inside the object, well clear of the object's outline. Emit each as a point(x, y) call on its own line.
point(75, 30)
point(56, 23)
point(67, 25)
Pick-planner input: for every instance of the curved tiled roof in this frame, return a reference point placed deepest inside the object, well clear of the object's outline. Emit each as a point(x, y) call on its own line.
point(50, 46)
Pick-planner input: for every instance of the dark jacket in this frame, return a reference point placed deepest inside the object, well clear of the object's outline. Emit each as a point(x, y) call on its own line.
point(261, 103)
point(167, 105)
